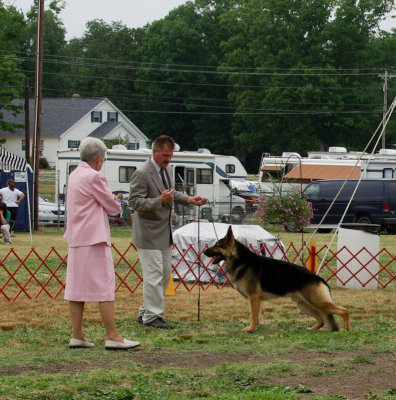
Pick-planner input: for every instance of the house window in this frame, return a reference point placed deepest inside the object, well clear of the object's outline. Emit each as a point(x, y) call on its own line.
point(73, 144)
point(230, 168)
point(125, 174)
point(112, 117)
point(41, 145)
point(204, 176)
point(96, 116)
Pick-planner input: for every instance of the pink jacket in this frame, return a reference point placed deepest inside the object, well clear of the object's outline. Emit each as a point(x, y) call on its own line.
point(89, 202)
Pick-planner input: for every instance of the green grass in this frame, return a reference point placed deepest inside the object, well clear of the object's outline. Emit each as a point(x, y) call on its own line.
point(207, 359)
point(109, 375)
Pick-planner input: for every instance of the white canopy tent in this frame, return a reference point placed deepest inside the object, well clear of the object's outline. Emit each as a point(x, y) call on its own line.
point(11, 162)
point(252, 236)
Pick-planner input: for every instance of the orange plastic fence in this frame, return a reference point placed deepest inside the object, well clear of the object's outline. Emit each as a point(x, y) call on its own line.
point(33, 274)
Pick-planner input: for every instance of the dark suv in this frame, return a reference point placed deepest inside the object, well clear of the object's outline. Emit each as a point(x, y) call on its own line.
point(373, 203)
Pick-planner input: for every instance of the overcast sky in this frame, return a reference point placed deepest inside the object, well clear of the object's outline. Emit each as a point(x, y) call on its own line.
point(132, 13)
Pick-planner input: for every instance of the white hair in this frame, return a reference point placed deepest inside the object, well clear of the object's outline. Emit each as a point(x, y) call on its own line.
point(91, 148)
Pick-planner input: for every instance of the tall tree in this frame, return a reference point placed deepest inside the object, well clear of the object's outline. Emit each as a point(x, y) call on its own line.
point(104, 63)
point(184, 95)
point(54, 62)
point(304, 86)
point(11, 79)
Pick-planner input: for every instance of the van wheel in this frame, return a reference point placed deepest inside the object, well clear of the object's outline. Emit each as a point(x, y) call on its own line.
point(364, 219)
point(391, 229)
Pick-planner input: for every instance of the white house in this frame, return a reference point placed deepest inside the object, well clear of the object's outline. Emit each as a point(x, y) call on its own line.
point(66, 121)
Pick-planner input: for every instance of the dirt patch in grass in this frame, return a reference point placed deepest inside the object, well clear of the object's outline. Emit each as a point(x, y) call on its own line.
point(350, 374)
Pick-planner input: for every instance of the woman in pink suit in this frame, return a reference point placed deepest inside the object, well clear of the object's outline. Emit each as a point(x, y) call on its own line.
point(90, 269)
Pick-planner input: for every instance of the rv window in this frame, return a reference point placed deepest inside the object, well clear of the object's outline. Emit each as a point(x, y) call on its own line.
point(190, 177)
point(387, 173)
point(230, 168)
point(132, 146)
point(204, 176)
point(73, 144)
point(72, 168)
point(125, 174)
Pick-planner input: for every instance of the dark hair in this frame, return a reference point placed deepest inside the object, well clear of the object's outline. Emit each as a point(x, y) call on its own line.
point(3, 206)
point(162, 141)
point(10, 184)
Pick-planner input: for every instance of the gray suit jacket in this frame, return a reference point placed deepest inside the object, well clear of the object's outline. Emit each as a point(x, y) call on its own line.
point(151, 223)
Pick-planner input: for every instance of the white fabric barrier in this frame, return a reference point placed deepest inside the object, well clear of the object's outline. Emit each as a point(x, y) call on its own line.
point(252, 236)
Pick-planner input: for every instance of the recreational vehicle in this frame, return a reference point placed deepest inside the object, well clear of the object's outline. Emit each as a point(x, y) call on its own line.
point(336, 163)
point(195, 172)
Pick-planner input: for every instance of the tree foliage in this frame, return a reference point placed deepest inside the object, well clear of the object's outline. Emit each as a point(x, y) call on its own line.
point(11, 26)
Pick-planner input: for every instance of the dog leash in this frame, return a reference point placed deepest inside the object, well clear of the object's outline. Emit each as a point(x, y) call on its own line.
point(199, 257)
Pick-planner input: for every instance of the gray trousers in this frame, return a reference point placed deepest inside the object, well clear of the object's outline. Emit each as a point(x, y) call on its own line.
point(156, 267)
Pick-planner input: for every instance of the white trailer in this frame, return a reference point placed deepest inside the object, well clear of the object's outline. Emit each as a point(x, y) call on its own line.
point(337, 163)
point(196, 172)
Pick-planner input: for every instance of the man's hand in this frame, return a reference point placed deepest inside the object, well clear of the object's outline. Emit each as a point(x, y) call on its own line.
point(197, 200)
point(167, 196)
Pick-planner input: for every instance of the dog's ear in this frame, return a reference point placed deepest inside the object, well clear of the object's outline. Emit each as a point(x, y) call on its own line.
point(230, 236)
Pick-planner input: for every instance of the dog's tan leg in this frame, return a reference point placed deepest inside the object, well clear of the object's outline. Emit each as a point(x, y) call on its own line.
point(307, 309)
point(255, 302)
point(331, 308)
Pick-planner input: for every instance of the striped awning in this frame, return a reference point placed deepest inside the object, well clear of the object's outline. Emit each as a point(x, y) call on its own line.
point(11, 161)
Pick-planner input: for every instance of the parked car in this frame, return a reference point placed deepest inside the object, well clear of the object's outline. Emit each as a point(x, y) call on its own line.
point(242, 188)
point(373, 203)
point(49, 213)
point(262, 188)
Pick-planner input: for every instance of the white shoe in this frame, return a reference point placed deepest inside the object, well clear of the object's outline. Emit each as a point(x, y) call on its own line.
point(80, 344)
point(124, 345)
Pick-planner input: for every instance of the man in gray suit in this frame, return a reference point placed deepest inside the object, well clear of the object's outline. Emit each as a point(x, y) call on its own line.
point(151, 196)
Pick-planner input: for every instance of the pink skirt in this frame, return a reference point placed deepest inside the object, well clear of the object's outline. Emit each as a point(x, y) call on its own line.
point(90, 274)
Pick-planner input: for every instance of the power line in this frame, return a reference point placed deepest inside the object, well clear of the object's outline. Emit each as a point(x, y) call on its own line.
point(164, 67)
point(162, 82)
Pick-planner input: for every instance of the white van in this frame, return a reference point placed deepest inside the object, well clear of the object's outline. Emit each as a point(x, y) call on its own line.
point(196, 172)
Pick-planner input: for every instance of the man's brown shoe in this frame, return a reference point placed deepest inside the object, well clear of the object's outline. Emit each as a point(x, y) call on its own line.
point(159, 323)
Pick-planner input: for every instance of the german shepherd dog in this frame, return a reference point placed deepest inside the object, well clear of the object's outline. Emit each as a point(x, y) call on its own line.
point(260, 278)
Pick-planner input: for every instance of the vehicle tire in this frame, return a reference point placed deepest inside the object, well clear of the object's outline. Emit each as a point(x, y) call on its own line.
point(225, 219)
point(237, 215)
point(391, 229)
point(364, 219)
point(291, 228)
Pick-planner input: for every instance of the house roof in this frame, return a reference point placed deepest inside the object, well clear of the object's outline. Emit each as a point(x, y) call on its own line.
point(58, 115)
point(101, 131)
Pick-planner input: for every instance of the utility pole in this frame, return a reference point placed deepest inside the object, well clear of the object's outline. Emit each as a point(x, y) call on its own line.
point(27, 123)
point(385, 77)
point(37, 105)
